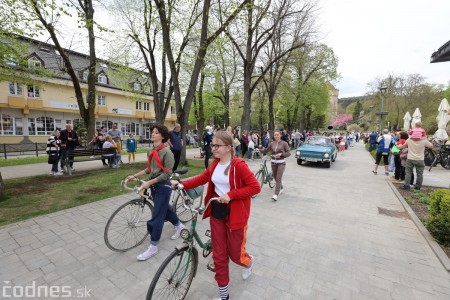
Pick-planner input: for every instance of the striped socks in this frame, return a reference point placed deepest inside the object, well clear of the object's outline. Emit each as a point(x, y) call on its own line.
point(223, 291)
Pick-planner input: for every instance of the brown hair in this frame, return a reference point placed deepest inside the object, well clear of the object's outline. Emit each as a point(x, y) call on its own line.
point(227, 139)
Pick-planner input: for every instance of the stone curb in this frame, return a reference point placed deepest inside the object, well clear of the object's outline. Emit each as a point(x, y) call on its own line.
point(440, 254)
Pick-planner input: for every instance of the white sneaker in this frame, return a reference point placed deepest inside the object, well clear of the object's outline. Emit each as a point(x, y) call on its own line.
point(151, 251)
point(60, 172)
point(246, 272)
point(178, 229)
point(72, 168)
point(274, 197)
point(56, 174)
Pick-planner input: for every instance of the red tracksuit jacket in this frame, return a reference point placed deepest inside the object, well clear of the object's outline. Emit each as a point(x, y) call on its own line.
point(243, 185)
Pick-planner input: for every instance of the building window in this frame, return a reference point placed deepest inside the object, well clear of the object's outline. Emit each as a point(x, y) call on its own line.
point(44, 125)
point(34, 63)
point(58, 124)
point(85, 75)
point(107, 124)
point(147, 89)
point(33, 91)
point(101, 100)
point(130, 127)
point(15, 88)
point(146, 106)
point(102, 79)
point(6, 125)
point(31, 126)
point(138, 105)
point(11, 61)
point(19, 126)
point(137, 86)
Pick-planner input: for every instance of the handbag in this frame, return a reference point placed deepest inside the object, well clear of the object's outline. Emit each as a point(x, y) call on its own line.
point(395, 150)
point(195, 192)
point(219, 210)
point(53, 158)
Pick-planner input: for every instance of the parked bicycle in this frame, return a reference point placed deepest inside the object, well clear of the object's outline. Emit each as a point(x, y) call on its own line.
point(441, 157)
point(127, 226)
point(174, 277)
point(264, 176)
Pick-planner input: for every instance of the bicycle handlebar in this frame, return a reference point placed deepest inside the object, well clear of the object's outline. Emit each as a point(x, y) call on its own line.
point(200, 210)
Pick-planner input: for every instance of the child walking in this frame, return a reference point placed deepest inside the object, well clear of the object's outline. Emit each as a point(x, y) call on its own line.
point(342, 145)
point(131, 147)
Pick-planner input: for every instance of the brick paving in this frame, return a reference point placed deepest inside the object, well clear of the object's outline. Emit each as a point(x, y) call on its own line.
point(323, 239)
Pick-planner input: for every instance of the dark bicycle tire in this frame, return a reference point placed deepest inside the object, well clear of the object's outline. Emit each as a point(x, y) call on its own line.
point(180, 264)
point(184, 214)
point(434, 162)
point(260, 176)
point(429, 157)
point(444, 159)
point(127, 226)
point(271, 181)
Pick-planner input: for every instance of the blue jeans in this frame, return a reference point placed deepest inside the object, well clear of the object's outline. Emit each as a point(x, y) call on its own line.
point(250, 153)
point(55, 167)
point(162, 211)
point(372, 146)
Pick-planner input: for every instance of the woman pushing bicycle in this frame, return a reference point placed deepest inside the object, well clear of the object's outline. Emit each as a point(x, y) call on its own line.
point(279, 151)
point(230, 179)
point(160, 164)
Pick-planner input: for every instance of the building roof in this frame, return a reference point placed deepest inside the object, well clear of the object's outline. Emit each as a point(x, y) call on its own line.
point(442, 54)
point(51, 60)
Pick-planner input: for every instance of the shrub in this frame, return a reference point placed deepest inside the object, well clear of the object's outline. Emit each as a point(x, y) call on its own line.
point(438, 223)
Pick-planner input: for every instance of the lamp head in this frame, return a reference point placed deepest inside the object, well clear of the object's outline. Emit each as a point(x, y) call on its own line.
point(383, 89)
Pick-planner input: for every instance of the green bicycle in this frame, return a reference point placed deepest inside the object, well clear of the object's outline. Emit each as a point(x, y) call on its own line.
point(174, 277)
point(264, 176)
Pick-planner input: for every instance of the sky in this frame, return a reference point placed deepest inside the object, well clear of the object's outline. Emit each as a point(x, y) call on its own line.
point(374, 38)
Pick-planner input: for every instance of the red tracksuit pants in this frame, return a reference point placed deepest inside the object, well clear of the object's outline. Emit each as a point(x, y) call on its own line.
point(227, 244)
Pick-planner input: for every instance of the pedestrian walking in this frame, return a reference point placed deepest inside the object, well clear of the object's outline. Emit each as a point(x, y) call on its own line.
point(53, 147)
point(230, 179)
point(207, 140)
point(176, 144)
point(279, 150)
point(69, 141)
point(385, 143)
point(160, 164)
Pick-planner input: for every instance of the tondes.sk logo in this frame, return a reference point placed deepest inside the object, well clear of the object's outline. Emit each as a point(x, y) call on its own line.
point(38, 291)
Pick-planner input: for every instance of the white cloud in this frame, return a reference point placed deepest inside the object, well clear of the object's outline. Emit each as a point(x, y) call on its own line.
point(373, 38)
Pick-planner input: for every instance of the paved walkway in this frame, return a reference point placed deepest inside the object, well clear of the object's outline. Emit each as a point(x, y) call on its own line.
point(324, 239)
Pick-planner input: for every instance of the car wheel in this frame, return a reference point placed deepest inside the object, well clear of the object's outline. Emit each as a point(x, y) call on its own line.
point(334, 158)
point(328, 164)
point(299, 161)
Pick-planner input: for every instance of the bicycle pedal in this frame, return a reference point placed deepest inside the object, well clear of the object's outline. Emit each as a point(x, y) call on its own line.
point(208, 233)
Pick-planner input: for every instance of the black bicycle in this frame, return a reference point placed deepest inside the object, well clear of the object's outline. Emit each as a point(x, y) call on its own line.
point(442, 157)
point(174, 277)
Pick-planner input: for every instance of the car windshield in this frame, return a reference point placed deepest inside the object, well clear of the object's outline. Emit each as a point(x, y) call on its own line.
point(318, 141)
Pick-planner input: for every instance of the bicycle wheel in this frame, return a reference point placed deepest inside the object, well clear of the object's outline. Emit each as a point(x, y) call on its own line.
point(184, 214)
point(444, 160)
point(271, 180)
point(260, 177)
point(174, 276)
point(127, 226)
point(429, 157)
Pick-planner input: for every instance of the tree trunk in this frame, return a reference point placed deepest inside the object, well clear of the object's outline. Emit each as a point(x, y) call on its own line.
point(2, 186)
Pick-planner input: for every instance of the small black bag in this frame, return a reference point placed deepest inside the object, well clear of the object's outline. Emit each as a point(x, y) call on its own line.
point(219, 210)
point(53, 158)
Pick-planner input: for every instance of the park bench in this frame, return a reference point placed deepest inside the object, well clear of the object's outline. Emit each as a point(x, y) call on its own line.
point(79, 155)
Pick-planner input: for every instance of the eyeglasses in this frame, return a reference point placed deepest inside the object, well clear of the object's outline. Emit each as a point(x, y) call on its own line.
point(217, 146)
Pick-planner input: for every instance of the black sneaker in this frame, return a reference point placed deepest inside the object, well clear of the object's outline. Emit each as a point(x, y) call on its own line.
point(406, 187)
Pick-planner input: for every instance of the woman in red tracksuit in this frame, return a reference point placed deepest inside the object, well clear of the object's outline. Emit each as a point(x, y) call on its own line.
point(230, 179)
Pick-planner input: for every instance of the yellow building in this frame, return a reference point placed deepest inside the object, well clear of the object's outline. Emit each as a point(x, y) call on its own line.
point(29, 113)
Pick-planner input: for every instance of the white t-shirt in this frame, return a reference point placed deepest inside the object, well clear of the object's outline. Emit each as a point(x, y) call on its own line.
point(220, 180)
point(107, 145)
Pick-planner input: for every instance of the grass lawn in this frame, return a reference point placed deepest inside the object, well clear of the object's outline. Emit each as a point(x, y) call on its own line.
point(39, 195)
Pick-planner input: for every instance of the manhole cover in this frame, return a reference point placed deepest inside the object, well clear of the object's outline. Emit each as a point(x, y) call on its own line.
point(393, 213)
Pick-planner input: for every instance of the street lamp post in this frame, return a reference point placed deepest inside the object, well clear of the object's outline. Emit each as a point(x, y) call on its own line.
point(370, 120)
point(382, 113)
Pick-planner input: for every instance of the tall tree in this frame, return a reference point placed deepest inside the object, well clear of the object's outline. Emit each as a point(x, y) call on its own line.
point(47, 14)
point(205, 40)
point(261, 21)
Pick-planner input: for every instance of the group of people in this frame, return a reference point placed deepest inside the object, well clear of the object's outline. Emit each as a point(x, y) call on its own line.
point(408, 151)
point(59, 144)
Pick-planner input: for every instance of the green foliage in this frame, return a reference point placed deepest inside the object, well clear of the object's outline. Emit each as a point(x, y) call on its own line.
point(357, 112)
point(353, 127)
point(439, 221)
